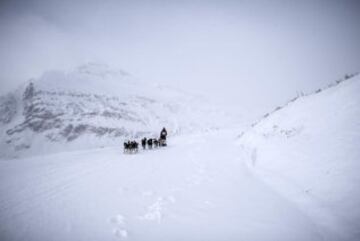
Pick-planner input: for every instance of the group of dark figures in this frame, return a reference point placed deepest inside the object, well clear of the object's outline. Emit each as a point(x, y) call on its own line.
point(133, 146)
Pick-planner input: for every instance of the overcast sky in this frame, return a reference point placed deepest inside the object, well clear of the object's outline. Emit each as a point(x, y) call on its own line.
point(249, 54)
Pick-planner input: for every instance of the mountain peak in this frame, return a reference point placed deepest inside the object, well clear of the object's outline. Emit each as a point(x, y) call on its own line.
point(93, 106)
point(99, 69)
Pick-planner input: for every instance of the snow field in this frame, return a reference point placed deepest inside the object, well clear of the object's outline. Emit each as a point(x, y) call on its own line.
point(195, 189)
point(309, 152)
point(293, 176)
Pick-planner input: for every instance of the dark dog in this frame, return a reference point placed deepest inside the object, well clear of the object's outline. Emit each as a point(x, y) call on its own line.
point(127, 146)
point(150, 143)
point(131, 147)
point(156, 143)
point(143, 143)
point(134, 146)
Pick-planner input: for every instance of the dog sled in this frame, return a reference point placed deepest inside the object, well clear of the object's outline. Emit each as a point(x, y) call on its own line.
point(162, 142)
point(132, 147)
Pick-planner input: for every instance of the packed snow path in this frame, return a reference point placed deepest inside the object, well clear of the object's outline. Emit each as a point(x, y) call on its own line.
point(198, 188)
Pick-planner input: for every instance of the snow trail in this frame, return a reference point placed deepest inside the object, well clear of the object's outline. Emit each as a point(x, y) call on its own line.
point(198, 188)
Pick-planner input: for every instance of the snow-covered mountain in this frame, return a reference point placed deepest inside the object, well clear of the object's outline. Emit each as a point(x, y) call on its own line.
point(94, 106)
point(309, 152)
point(292, 176)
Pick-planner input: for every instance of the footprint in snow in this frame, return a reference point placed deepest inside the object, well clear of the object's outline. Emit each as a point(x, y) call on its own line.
point(119, 221)
point(121, 233)
point(155, 212)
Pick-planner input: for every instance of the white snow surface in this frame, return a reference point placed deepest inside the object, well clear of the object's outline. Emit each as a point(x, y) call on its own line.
point(309, 152)
point(197, 188)
point(293, 176)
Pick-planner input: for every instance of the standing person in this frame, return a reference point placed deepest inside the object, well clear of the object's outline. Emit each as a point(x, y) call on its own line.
point(163, 133)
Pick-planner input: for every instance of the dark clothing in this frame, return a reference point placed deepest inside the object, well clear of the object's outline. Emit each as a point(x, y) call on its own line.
point(163, 134)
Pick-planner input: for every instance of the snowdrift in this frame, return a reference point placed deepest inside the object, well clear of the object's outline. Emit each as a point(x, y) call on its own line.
point(95, 106)
point(309, 152)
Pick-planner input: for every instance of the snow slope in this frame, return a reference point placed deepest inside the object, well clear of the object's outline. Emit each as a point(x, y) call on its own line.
point(292, 176)
point(309, 152)
point(197, 188)
point(93, 106)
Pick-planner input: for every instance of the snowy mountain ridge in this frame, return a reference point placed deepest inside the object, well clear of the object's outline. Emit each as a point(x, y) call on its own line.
point(308, 151)
point(94, 106)
point(301, 95)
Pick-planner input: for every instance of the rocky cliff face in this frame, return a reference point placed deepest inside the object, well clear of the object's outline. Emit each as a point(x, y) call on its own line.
point(48, 115)
point(7, 108)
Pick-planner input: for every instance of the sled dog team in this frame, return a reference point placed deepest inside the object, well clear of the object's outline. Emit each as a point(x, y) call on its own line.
point(133, 146)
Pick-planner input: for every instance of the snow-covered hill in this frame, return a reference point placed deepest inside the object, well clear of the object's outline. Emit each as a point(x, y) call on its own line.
point(309, 152)
point(94, 106)
point(293, 176)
